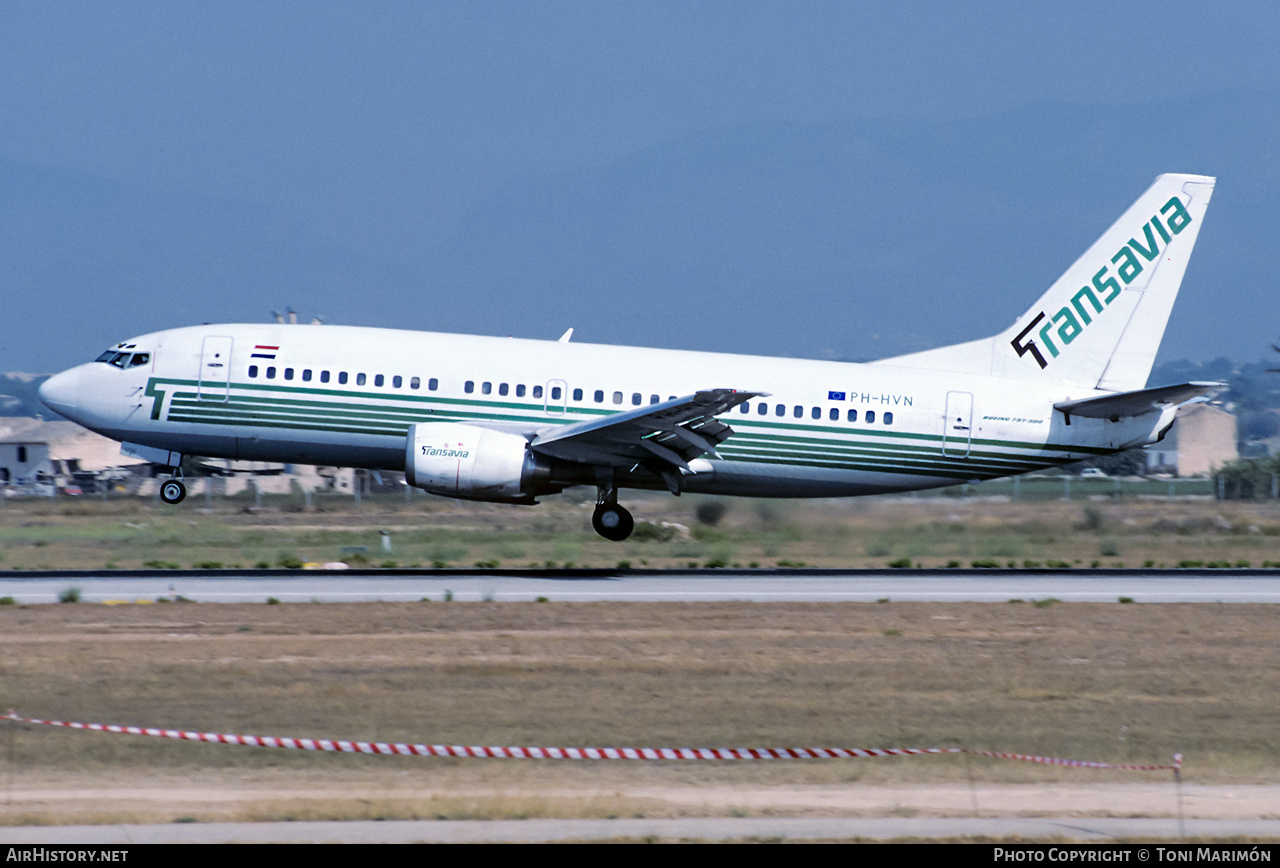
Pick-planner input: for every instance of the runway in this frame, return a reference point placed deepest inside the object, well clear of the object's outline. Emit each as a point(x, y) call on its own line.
point(1094, 829)
point(980, 586)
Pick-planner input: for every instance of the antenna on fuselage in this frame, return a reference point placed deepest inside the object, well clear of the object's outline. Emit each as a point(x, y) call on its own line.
point(564, 338)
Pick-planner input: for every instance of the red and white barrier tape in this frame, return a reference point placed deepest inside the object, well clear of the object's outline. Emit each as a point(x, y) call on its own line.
point(631, 753)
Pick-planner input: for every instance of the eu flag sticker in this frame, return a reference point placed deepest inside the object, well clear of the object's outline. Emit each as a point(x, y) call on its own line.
point(835, 396)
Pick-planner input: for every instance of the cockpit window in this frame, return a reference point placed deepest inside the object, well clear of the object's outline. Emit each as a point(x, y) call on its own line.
point(124, 360)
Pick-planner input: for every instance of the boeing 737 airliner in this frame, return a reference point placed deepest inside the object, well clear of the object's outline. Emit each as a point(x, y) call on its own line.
point(503, 419)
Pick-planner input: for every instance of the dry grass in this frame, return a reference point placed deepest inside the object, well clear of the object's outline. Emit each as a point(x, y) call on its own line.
point(1094, 681)
point(857, 533)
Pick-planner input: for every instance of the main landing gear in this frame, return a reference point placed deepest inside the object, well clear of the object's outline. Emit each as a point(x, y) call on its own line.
point(611, 521)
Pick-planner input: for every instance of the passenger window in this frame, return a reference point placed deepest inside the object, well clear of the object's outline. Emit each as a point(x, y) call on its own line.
point(397, 381)
point(834, 416)
point(502, 388)
point(781, 410)
point(798, 412)
point(433, 384)
point(324, 376)
point(871, 416)
point(360, 379)
point(577, 394)
point(653, 399)
point(415, 382)
point(617, 397)
point(555, 393)
point(817, 413)
point(537, 391)
point(342, 378)
point(271, 373)
point(764, 409)
point(853, 415)
point(636, 399)
point(888, 418)
point(469, 386)
point(486, 388)
point(253, 372)
point(306, 375)
point(744, 408)
point(520, 392)
point(288, 373)
point(599, 396)
point(378, 379)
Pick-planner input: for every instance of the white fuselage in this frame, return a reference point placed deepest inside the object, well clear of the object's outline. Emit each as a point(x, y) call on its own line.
point(339, 395)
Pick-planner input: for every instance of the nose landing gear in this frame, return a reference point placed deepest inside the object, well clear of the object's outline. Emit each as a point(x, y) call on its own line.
point(173, 491)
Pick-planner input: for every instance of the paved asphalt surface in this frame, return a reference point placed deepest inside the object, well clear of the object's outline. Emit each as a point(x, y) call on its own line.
point(708, 829)
point(226, 586)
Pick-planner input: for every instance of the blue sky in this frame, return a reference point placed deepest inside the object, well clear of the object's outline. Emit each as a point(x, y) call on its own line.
point(372, 162)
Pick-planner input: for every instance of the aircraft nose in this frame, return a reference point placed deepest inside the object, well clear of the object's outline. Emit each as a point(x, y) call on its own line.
point(61, 392)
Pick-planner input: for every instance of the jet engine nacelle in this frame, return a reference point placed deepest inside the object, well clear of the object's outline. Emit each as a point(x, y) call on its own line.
point(473, 463)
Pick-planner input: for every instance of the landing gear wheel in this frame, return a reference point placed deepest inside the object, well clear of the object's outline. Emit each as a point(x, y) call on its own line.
point(612, 522)
point(173, 491)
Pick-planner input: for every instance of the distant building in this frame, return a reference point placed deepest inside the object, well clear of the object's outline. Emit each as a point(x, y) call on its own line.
point(36, 455)
point(271, 478)
point(35, 452)
point(1202, 440)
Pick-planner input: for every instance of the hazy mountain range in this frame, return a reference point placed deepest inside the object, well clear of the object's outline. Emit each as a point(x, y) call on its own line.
point(851, 240)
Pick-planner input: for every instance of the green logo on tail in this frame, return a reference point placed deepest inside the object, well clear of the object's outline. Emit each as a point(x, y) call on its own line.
point(1071, 320)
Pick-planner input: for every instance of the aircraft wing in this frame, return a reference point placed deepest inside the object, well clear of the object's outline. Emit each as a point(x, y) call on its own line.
point(1124, 404)
point(673, 432)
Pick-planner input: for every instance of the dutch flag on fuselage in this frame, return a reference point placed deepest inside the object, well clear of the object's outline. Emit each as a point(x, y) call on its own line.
point(264, 352)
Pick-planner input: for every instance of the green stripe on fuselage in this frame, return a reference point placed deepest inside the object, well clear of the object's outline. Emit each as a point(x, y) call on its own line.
point(758, 441)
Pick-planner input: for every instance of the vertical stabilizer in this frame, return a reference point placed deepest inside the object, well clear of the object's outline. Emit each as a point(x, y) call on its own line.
point(1100, 324)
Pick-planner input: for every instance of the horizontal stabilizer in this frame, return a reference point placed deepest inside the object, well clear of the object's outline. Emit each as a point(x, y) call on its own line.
point(1125, 404)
